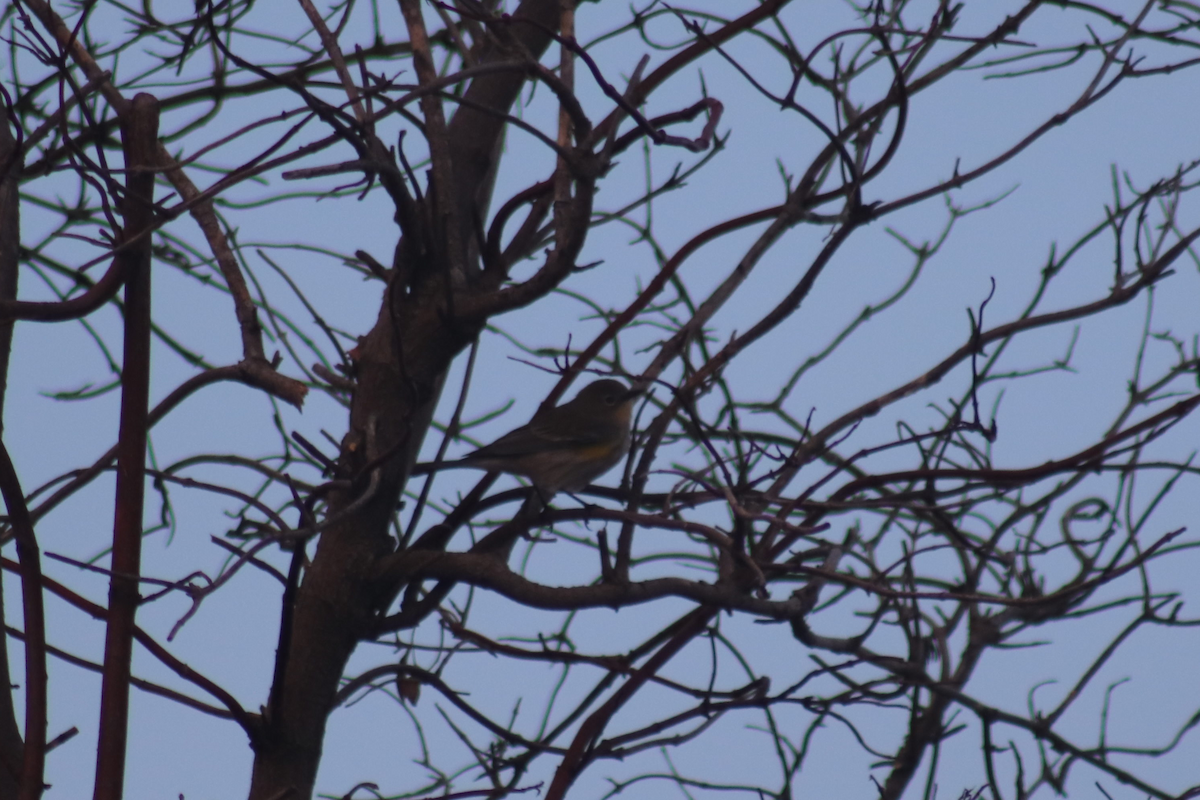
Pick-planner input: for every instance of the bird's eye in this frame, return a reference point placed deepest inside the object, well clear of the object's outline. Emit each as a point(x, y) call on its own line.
point(610, 399)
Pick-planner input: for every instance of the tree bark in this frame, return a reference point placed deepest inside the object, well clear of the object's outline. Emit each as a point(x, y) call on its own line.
point(400, 369)
point(139, 135)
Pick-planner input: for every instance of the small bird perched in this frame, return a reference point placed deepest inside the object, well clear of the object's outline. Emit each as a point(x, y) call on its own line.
point(565, 447)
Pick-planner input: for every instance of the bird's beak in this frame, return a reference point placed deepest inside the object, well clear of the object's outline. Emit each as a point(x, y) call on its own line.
point(635, 392)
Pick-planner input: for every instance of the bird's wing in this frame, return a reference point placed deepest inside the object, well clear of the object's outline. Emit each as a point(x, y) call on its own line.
point(513, 444)
point(543, 433)
point(549, 429)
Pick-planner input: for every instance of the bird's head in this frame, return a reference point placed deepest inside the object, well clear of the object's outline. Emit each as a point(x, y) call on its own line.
point(605, 398)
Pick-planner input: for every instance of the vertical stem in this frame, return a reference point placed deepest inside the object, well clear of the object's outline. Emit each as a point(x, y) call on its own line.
point(562, 175)
point(335, 55)
point(139, 139)
point(11, 746)
point(34, 757)
point(446, 221)
point(10, 240)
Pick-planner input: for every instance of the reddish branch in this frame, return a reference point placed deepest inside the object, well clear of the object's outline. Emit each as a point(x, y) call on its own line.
point(248, 373)
point(589, 732)
point(445, 213)
point(145, 685)
point(96, 611)
point(200, 207)
point(11, 746)
point(35, 629)
point(1148, 276)
point(81, 305)
point(139, 135)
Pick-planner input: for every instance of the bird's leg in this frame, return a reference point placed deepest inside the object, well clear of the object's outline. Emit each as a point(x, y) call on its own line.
point(587, 505)
point(535, 503)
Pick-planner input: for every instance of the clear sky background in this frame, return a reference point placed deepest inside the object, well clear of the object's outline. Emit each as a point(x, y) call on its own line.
point(1053, 193)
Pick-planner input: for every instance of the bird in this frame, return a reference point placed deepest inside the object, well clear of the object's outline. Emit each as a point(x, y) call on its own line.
point(562, 448)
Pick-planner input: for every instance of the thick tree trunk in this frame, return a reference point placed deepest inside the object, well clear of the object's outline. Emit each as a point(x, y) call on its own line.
point(400, 368)
point(335, 606)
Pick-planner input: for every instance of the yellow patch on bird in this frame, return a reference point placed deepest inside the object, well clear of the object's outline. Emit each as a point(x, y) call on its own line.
point(596, 452)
